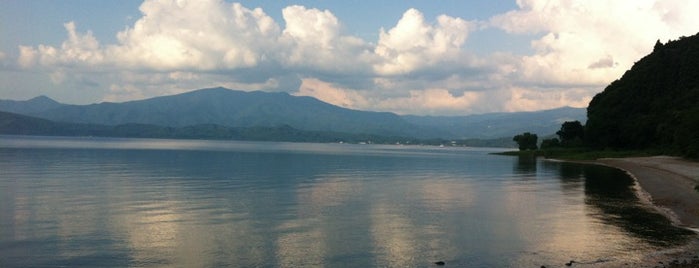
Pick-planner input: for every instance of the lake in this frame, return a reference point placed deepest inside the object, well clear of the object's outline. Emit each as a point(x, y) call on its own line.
point(104, 202)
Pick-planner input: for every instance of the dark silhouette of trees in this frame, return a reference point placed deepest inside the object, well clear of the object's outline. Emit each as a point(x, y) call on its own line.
point(658, 45)
point(653, 105)
point(571, 134)
point(550, 143)
point(526, 141)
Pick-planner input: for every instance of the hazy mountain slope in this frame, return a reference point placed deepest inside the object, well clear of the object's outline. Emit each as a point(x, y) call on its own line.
point(234, 109)
point(230, 108)
point(16, 124)
point(500, 124)
point(32, 106)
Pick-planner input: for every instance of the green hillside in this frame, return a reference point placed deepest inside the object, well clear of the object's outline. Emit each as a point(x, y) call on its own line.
point(654, 105)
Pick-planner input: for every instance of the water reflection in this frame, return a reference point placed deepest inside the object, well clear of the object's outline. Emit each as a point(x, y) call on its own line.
point(526, 164)
point(611, 191)
point(281, 208)
point(394, 237)
point(611, 198)
point(299, 245)
point(571, 175)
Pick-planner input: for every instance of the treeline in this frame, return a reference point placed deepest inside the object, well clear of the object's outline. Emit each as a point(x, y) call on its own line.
point(16, 124)
point(571, 135)
point(654, 106)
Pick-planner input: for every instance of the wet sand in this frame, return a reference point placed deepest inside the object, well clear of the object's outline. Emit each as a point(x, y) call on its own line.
point(668, 184)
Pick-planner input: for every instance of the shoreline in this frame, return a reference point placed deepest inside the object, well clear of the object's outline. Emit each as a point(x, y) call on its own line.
point(667, 184)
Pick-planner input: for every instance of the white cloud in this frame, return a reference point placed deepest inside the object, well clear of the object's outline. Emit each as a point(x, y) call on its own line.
point(533, 99)
point(170, 36)
point(314, 39)
point(432, 101)
point(196, 35)
point(212, 35)
point(413, 43)
point(27, 57)
point(76, 50)
point(193, 43)
point(593, 42)
point(329, 93)
point(429, 101)
point(420, 65)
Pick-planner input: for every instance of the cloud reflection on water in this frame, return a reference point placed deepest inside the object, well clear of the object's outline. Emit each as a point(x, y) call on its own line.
point(202, 208)
point(394, 237)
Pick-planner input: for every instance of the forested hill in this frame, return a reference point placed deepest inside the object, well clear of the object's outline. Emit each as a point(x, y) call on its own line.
point(654, 105)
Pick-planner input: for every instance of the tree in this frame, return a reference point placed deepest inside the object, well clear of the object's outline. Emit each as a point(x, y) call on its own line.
point(658, 45)
point(550, 143)
point(571, 134)
point(526, 141)
point(653, 105)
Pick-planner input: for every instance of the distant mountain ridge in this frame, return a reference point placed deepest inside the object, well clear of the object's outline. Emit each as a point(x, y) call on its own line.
point(233, 109)
point(16, 124)
point(31, 106)
point(230, 108)
point(491, 125)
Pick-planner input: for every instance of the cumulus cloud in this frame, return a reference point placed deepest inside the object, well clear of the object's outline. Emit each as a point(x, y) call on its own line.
point(432, 101)
point(27, 57)
point(212, 35)
point(171, 36)
point(78, 49)
point(196, 35)
point(419, 65)
point(593, 42)
point(329, 93)
point(413, 43)
point(314, 40)
point(428, 101)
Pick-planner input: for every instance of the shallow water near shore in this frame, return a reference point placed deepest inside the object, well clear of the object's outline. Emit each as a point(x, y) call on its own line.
point(100, 202)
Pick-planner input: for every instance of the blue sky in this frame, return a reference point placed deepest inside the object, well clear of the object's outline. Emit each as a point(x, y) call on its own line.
point(408, 57)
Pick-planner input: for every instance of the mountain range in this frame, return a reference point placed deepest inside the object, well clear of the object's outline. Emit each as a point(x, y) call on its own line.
point(240, 109)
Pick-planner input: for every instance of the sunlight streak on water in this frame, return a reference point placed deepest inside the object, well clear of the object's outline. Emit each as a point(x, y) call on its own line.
point(159, 203)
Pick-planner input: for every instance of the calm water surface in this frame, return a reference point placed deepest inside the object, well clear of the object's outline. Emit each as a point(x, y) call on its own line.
point(70, 202)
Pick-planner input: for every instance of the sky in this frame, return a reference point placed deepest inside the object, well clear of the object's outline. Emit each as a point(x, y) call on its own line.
point(447, 57)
